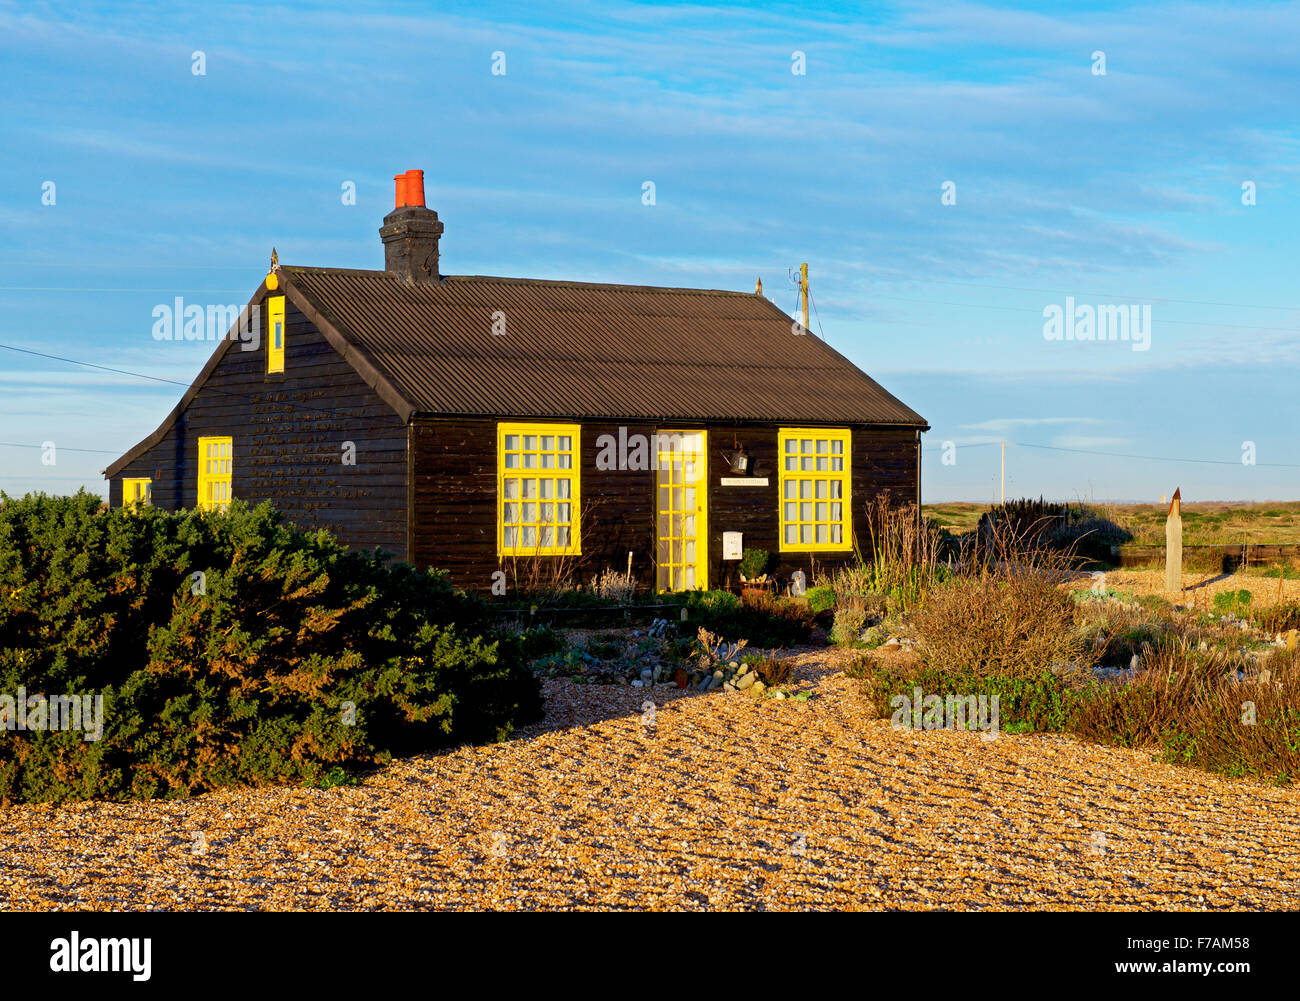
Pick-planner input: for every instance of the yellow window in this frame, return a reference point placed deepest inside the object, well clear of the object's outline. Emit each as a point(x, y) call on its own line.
point(815, 489)
point(136, 492)
point(537, 489)
point(275, 334)
point(215, 458)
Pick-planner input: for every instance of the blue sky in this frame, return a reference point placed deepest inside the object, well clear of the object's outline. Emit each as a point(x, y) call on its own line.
point(1124, 188)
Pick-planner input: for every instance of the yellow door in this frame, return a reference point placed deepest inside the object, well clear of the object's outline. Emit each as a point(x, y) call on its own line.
point(682, 486)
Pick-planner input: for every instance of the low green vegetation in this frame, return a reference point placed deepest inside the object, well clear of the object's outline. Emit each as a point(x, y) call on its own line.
point(231, 649)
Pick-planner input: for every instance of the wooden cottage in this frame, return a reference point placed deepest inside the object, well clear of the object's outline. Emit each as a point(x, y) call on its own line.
point(470, 422)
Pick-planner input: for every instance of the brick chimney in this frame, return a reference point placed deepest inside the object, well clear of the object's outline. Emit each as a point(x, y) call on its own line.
point(410, 233)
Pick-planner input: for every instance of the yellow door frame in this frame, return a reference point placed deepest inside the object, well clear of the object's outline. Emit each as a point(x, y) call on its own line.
point(699, 510)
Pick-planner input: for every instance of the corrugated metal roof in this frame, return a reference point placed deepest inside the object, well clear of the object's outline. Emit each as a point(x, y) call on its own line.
point(574, 349)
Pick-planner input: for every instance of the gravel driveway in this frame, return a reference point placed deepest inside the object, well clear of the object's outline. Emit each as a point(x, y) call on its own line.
point(711, 801)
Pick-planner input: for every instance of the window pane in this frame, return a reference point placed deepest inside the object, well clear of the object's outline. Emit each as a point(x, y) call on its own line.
point(823, 446)
point(530, 537)
point(837, 447)
point(836, 488)
point(566, 460)
point(821, 533)
point(791, 489)
point(791, 534)
point(548, 536)
point(791, 512)
point(530, 442)
point(822, 511)
point(805, 488)
point(837, 465)
point(562, 488)
point(805, 533)
point(808, 464)
point(791, 464)
point(548, 488)
point(836, 535)
point(822, 487)
point(562, 536)
point(806, 446)
point(511, 486)
point(791, 445)
point(512, 460)
point(548, 443)
point(565, 443)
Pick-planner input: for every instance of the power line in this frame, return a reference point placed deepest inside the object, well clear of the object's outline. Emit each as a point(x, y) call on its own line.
point(1102, 295)
point(61, 448)
point(186, 385)
point(1039, 312)
point(164, 291)
point(1127, 455)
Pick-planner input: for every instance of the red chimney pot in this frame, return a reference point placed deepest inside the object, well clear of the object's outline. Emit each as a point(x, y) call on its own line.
point(400, 180)
point(415, 188)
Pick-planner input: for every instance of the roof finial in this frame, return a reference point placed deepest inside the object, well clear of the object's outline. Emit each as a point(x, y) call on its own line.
point(758, 287)
point(275, 260)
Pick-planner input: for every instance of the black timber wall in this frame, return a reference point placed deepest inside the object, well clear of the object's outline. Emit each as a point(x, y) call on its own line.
point(288, 433)
point(453, 500)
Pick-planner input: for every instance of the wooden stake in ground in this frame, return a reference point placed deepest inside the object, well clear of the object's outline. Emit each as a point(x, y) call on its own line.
point(1174, 546)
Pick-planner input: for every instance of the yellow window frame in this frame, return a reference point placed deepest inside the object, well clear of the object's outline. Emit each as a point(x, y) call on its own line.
point(275, 334)
point(216, 463)
point(137, 490)
point(539, 487)
point(816, 477)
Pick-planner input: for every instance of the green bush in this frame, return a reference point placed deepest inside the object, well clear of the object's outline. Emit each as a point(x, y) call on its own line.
point(289, 658)
point(753, 563)
point(1233, 603)
point(1045, 703)
point(761, 618)
point(821, 599)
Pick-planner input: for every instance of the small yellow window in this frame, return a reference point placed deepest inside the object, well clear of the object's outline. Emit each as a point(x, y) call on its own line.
point(537, 490)
point(136, 492)
point(275, 334)
point(216, 456)
point(815, 478)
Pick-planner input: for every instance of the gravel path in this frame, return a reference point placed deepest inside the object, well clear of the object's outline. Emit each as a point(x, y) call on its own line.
point(718, 802)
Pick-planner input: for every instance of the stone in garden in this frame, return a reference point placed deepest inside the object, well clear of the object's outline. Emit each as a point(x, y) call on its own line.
point(757, 688)
point(745, 681)
point(1135, 663)
point(638, 683)
point(892, 641)
point(779, 694)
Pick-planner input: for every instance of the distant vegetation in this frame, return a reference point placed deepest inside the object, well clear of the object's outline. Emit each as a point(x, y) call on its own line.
point(232, 649)
point(1204, 523)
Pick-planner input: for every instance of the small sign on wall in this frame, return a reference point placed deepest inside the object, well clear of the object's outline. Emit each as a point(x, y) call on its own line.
point(731, 545)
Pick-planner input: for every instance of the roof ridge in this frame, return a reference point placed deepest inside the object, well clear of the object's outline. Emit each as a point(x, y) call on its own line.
point(509, 280)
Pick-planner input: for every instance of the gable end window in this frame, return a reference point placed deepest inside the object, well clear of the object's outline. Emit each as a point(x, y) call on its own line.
point(216, 457)
point(538, 484)
point(815, 478)
point(275, 334)
point(136, 491)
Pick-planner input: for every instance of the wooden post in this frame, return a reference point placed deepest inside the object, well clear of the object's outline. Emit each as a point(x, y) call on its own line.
point(1174, 546)
point(1004, 472)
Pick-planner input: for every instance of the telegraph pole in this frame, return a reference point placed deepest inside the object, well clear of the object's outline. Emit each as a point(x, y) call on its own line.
point(1004, 472)
point(803, 289)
